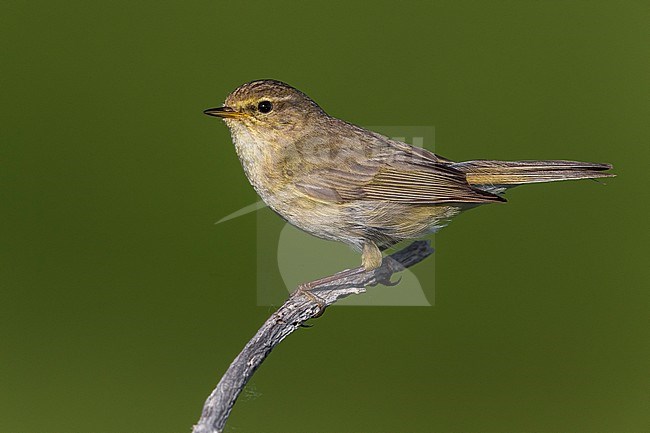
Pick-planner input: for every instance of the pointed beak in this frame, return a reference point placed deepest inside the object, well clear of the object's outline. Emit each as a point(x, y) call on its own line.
point(223, 112)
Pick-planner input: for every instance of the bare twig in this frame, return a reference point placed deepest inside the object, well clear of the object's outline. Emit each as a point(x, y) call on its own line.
point(300, 307)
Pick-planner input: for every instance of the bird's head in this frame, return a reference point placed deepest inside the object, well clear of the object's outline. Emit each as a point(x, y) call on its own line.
point(267, 109)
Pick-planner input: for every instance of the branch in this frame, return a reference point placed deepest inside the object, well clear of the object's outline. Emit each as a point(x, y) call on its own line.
point(301, 306)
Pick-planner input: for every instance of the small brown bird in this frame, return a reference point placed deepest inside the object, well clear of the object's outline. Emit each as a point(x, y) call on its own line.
point(341, 182)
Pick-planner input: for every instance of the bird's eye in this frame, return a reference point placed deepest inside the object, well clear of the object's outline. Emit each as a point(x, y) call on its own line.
point(265, 107)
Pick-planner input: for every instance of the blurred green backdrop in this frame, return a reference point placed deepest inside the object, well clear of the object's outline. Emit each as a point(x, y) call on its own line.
point(121, 303)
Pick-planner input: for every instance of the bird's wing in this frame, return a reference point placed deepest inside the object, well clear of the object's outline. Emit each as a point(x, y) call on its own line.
point(398, 176)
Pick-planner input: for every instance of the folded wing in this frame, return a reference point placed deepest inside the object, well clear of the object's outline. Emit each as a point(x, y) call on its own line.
point(405, 175)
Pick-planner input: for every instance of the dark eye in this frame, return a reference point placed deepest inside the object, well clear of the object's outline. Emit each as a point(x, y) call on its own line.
point(265, 106)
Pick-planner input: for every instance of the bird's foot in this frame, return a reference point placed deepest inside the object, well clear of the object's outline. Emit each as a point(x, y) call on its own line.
point(307, 289)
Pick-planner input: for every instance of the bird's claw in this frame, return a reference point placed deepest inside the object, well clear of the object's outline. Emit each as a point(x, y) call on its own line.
point(306, 289)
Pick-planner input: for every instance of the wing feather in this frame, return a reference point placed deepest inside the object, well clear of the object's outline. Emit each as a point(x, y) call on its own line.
point(402, 175)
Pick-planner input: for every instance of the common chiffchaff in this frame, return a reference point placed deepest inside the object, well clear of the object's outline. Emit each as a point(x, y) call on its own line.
point(339, 181)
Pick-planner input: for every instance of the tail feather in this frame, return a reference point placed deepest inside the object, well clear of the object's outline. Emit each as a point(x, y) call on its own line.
point(496, 176)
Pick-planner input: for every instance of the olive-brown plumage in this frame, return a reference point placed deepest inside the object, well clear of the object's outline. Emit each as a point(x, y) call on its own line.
point(341, 182)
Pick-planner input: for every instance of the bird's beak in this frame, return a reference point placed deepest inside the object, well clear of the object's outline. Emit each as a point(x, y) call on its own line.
point(223, 112)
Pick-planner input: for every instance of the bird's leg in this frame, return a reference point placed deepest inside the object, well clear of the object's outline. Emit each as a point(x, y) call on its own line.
point(371, 259)
point(370, 256)
point(309, 289)
point(314, 286)
point(303, 289)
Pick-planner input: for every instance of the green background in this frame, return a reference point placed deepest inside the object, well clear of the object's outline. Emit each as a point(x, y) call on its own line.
point(121, 303)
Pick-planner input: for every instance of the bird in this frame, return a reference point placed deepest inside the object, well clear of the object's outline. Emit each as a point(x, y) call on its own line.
point(341, 182)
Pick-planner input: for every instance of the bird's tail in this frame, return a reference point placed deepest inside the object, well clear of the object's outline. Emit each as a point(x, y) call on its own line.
point(497, 176)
